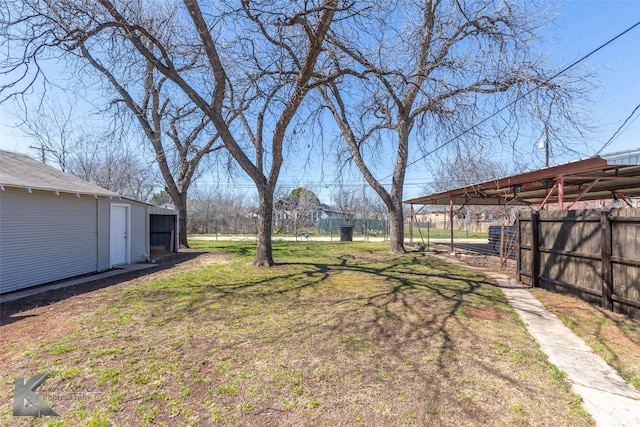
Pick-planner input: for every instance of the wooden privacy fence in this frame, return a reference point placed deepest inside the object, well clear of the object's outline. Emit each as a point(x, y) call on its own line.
point(593, 254)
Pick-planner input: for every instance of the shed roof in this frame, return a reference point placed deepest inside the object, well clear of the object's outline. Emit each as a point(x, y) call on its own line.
point(21, 171)
point(616, 175)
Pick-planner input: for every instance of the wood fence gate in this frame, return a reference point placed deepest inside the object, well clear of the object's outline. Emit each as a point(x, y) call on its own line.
point(592, 254)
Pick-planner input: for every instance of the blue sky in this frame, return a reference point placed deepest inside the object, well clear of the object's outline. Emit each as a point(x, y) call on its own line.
point(585, 25)
point(582, 25)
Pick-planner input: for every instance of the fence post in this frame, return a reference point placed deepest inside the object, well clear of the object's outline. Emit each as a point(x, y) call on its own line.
point(501, 242)
point(518, 247)
point(607, 276)
point(331, 230)
point(535, 253)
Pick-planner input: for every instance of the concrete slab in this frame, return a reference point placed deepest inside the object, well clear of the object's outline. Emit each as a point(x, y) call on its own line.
point(85, 279)
point(609, 399)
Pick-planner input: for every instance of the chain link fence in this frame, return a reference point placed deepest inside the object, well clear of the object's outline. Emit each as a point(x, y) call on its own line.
point(361, 227)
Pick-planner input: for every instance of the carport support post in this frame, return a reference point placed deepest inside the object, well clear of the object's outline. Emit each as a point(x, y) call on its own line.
point(560, 181)
point(607, 277)
point(413, 215)
point(451, 220)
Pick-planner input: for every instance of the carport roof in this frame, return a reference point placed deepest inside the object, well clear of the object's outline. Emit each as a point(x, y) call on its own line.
point(20, 171)
point(616, 175)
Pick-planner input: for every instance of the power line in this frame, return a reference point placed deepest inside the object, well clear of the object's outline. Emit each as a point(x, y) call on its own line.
point(464, 132)
point(311, 184)
point(559, 73)
point(618, 131)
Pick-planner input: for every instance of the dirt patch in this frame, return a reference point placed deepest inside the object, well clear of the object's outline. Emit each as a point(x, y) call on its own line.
point(47, 315)
point(489, 262)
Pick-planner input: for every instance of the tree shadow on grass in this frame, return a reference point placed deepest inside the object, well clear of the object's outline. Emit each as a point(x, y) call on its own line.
point(9, 311)
point(409, 308)
point(372, 320)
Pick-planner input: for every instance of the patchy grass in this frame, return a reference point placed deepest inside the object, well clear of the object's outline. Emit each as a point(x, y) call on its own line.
point(336, 334)
point(616, 338)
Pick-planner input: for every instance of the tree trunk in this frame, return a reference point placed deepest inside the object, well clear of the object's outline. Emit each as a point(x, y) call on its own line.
point(264, 257)
point(180, 203)
point(396, 229)
point(396, 217)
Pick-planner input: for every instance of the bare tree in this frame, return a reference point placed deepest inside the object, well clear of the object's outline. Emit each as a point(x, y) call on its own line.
point(428, 74)
point(359, 203)
point(304, 203)
point(94, 154)
point(283, 42)
point(343, 200)
point(468, 167)
point(215, 211)
point(50, 126)
point(114, 167)
point(181, 136)
point(256, 61)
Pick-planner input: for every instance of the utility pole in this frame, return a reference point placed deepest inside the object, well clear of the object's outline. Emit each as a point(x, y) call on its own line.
point(546, 146)
point(43, 150)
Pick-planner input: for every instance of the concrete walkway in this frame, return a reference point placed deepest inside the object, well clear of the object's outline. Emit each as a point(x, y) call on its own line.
point(606, 396)
point(71, 282)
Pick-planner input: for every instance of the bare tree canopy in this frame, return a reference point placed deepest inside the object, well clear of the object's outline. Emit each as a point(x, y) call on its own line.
point(214, 211)
point(115, 168)
point(254, 61)
point(467, 168)
point(86, 38)
point(398, 77)
point(423, 75)
point(54, 134)
point(95, 154)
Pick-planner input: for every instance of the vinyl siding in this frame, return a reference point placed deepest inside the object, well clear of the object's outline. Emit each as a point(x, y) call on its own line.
point(44, 237)
point(103, 233)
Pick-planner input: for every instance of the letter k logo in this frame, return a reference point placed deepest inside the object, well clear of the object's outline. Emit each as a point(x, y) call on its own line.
point(24, 394)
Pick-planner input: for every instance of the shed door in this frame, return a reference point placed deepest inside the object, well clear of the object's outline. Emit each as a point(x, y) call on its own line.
point(119, 239)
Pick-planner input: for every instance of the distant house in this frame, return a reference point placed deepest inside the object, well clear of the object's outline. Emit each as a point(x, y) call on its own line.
point(54, 226)
point(286, 209)
point(327, 212)
point(283, 209)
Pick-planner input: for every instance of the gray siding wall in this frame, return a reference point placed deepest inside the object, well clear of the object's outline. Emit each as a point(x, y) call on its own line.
point(44, 237)
point(104, 235)
point(139, 233)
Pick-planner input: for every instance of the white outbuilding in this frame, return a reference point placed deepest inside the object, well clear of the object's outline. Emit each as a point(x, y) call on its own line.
point(55, 226)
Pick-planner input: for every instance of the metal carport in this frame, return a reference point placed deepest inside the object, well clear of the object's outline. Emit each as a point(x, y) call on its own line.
point(612, 176)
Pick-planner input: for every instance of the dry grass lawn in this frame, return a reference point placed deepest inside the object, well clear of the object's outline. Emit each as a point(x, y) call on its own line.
point(336, 334)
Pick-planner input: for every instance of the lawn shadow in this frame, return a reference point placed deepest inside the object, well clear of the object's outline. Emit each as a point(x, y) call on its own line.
point(9, 311)
point(398, 319)
point(368, 331)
